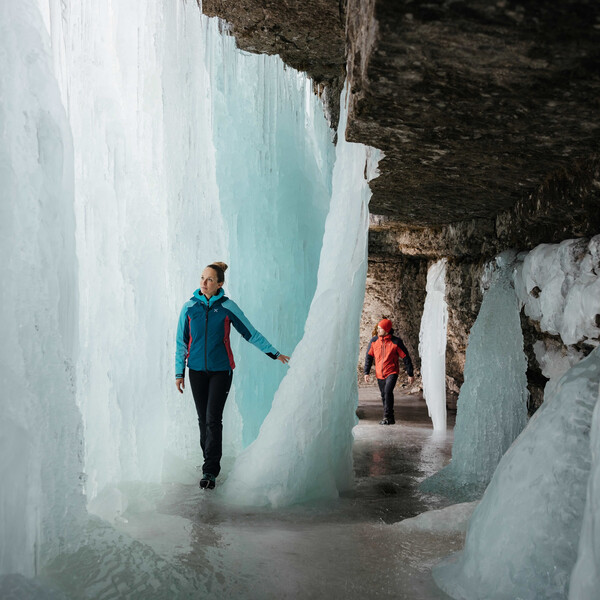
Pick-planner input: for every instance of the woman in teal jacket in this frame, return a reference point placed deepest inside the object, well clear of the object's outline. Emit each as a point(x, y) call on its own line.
point(203, 343)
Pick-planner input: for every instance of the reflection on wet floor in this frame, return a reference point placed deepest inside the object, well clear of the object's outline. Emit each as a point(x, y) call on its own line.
point(345, 548)
point(176, 541)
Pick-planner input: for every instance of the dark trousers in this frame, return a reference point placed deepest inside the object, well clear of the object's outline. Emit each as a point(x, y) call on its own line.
point(386, 387)
point(210, 389)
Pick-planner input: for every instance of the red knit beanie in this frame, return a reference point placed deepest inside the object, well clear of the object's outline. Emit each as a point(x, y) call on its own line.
point(385, 324)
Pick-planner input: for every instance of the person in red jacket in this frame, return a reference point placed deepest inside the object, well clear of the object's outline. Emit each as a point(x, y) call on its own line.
point(387, 350)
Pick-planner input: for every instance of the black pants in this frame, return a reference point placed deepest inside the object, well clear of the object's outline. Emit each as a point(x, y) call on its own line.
point(386, 387)
point(210, 389)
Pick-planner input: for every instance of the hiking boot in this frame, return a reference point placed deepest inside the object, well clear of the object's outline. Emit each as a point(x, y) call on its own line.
point(208, 481)
point(384, 422)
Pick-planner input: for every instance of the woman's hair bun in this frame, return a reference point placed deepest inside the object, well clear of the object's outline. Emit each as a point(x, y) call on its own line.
point(221, 264)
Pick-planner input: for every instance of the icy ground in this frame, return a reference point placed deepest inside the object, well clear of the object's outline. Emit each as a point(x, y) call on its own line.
point(185, 542)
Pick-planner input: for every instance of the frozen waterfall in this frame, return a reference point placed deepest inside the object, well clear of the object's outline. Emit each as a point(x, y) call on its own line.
point(40, 426)
point(523, 537)
point(142, 145)
point(492, 405)
point(534, 532)
point(274, 162)
point(432, 344)
point(304, 449)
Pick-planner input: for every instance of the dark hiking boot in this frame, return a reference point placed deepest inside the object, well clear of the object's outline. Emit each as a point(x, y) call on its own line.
point(208, 481)
point(384, 422)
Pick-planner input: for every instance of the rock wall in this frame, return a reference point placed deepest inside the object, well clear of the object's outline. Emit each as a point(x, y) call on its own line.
point(565, 206)
point(396, 290)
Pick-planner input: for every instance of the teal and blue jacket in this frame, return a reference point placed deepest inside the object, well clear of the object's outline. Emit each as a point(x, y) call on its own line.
point(203, 334)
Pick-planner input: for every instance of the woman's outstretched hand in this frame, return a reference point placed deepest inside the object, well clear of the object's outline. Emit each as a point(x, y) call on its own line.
point(180, 383)
point(283, 358)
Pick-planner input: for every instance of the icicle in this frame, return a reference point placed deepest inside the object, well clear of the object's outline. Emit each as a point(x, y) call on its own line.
point(432, 344)
point(492, 405)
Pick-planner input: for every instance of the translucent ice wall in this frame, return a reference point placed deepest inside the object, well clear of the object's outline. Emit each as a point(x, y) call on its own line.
point(113, 182)
point(304, 448)
point(492, 405)
point(585, 579)
point(522, 540)
point(432, 344)
point(134, 82)
point(40, 465)
point(185, 152)
point(274, 162)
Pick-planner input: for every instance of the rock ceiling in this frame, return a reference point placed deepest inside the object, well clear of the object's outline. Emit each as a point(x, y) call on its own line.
point(475, 103)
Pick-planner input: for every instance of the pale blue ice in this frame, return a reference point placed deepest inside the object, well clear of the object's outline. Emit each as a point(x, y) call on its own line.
point(492, 404)
point(140, 145)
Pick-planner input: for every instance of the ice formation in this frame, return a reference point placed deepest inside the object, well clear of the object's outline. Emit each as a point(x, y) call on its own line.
point(522, 540)
point(274, 163)
point(452, 519)
point(432, 344)
point(585, 578)
point(555, 362)
point(40, 466)
point(492, 405)
point(304, 448)
point(559, 287)
point(173, 99)
point(119, 119)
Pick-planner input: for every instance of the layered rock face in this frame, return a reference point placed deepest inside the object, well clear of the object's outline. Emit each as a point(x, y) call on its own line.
point(489, 118)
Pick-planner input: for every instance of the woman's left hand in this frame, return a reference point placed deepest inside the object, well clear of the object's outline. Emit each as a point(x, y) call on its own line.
point(283, 358)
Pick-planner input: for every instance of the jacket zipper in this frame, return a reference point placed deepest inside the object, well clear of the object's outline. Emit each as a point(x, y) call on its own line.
point(383, 353)
point(206, 339)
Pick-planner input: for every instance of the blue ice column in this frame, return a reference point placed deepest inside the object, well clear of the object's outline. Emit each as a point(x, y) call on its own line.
point(523, 537)
point(304, 449)
point(492, 405)
point(274, 163)
point(432, 344)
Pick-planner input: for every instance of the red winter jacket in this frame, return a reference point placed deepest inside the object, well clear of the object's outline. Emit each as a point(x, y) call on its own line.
point(387, 351)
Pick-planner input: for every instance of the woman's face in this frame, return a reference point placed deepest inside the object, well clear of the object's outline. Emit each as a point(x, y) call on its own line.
point(380, 331)
point(209, 285)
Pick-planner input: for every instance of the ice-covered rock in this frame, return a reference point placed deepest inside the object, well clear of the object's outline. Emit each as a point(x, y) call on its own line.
point(492, 405)
point(432, 344)
point(523, 537)
point(555, 362)
point(452, 519)
point(558, 285)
